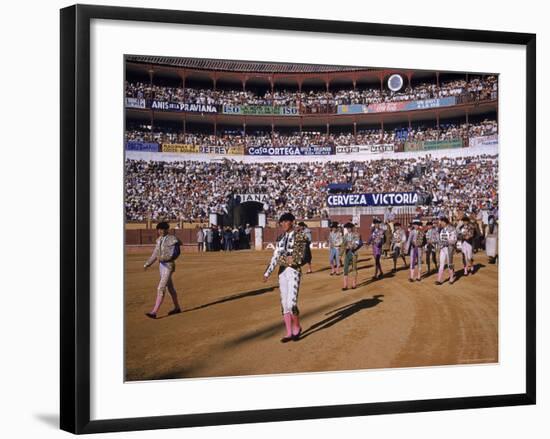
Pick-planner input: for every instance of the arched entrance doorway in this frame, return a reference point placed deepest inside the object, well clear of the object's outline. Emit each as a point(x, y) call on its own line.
point(247, 213)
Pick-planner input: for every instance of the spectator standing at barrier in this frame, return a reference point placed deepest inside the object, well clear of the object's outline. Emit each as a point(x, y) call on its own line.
point(209, 239)
point(228, 239)
point(200, 239)
point(376, 239)
point(335, 240)
point(398, 242)
point(389, 217)
point(236, 239)
point(302, 227)
point(217, 239)
point(289, 256)
point(167, 250)
point(248, 233)
point(351, 244)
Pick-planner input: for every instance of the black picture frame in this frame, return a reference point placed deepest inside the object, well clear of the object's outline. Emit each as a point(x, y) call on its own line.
point(75, 217)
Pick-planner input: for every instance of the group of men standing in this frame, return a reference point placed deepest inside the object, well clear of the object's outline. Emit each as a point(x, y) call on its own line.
point(434, 242)
point(217, 238)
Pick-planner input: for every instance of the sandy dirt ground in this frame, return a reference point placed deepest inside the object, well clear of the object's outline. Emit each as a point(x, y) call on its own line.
point(232, 325)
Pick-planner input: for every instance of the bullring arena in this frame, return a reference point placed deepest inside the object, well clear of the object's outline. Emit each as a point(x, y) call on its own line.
point(229, 146)
point(231, 322)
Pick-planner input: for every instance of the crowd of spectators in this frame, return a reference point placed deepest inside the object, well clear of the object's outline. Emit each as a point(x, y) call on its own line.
point(316, 101)
point(446, 131)
point(189, 191)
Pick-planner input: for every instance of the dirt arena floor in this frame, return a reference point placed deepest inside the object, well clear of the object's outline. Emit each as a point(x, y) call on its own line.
point(231, 324)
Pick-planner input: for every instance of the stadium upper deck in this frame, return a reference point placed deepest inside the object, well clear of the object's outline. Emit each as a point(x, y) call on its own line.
point(235, 91)
point(224, 102)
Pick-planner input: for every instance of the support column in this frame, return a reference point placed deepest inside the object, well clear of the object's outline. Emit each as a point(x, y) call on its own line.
point(355, 132)
point(437, 79)
point(151, 74)
point(152, 126)
point(437, 124)
point(216, 130)
point(244, 133)
point(409, 78)
point(182, 76)
point(300, 97)
point(381, 130)
point(467, 133)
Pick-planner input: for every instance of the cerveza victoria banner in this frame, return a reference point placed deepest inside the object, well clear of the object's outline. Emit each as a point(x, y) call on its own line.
point(381, 199)
point(388, 107)
point(289, 150)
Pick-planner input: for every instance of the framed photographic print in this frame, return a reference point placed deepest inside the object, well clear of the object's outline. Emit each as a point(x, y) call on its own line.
point(271, 218)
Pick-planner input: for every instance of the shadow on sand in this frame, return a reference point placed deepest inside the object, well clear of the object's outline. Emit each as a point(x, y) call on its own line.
point(342, 313)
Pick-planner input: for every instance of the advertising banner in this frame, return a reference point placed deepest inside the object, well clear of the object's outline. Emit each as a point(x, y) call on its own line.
point(258, 198)
point(385, 107)
point(135, 103)
point(134, 145)
point(381, 199)
point(484, 140)
point(365, 149)
point(233, 150)
point(183, 107)
point(352, 109)
point(431, 103)
point(179, 147)
point(202, 149)
point(260, 110)
point(388, 107)
point(414, 146)
point(289, 150)
point(442, 144)
point(382, 147)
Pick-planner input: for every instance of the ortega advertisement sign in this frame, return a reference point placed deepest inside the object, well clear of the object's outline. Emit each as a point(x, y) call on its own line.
point(289, 150)
point(382, 199)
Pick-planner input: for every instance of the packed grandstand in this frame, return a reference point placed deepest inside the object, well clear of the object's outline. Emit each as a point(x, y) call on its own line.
point(380, 140)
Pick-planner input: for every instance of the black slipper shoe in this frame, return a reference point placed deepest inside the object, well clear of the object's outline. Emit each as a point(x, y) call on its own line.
point(296, 337)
